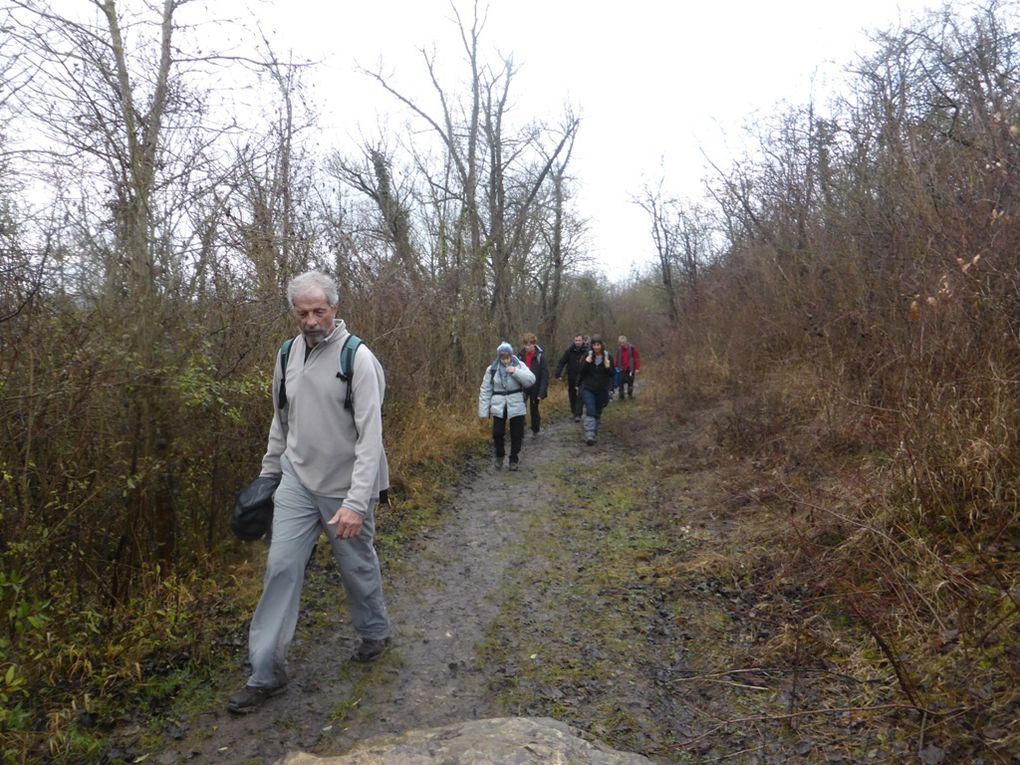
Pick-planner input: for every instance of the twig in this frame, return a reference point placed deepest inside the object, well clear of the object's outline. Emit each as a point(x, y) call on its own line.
point(802, 713)
point(738, 685)
point(731, 755)
point(796, 674)
point(901, 674)
point(779, 670)
point(920, 735)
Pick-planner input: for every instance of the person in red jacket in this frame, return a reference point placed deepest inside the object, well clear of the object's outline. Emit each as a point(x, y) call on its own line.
point(628, 361)
point(533, 356)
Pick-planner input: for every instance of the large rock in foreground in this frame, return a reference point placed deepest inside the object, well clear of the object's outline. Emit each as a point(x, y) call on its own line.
point(499, 741)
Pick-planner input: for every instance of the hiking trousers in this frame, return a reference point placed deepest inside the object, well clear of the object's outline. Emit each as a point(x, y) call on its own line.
point(627, 380)
point(298, 518)
point(536, 418)
point(574, 396)
point(594, 402)
point(499, 428)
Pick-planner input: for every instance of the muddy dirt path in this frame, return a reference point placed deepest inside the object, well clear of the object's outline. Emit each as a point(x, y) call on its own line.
point(442, 598)
point(612, 587)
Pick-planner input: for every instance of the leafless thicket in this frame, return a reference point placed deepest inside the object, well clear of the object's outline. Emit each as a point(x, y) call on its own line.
point(866, 296)
point(146, 233)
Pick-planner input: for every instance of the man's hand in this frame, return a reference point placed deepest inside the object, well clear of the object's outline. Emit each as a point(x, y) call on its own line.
point(348, 523)
point(511, 370)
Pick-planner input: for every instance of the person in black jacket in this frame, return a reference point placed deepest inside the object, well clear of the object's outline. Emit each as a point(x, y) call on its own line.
point(572, 360)
point(534, 357)
point(596, 381)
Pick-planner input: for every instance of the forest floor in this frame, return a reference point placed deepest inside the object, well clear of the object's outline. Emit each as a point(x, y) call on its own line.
point(599, 586)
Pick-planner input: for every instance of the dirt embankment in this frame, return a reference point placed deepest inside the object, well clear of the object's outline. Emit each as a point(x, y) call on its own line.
point(580, 588)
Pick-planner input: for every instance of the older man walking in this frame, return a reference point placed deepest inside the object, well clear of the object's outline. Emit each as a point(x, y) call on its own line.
point(332, 466)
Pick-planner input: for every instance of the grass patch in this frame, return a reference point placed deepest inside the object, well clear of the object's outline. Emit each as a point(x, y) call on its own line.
point(583, 629)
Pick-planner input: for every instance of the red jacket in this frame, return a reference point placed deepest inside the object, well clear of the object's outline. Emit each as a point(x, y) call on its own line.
point(627, 358)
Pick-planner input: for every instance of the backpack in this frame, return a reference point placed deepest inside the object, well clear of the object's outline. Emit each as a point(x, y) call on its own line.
point(345, 369)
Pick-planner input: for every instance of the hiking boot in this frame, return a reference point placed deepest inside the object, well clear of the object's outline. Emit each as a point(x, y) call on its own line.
point(370, 650)
point(589, 441)
point(514, 466)
point(577, 418)
point(498, 463)
point(249, 698)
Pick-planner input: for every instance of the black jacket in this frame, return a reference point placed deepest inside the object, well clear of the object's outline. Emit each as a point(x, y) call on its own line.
point(540, 369)
point(597, 377)
point(572, 359)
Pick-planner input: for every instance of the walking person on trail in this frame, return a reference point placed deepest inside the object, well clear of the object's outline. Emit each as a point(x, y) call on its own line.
point(571, 361)
point(628, 361)
point(325, 444)
point(596, 381)
point(534, 359)
point(503, 396)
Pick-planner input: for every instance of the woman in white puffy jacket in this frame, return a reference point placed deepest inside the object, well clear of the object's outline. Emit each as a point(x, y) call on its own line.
point(503, 396)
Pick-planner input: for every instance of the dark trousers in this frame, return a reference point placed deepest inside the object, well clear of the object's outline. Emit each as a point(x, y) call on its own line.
point(516, 435)
point(575, 402)
point(536, 418)
point(627, 381)
point(594, 401)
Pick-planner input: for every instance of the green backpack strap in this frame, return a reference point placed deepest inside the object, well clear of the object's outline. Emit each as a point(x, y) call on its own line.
point(281, 400)
point(346, 368)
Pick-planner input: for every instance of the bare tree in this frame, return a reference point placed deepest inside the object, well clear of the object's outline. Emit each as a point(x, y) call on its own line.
point(109, 106)
point(494, 173)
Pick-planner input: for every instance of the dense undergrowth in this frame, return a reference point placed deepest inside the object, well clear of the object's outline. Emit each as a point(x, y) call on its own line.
point(888, 542)
point(76, 668)
point(863, 315)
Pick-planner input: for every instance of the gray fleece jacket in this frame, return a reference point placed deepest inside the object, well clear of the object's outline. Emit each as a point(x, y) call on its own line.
point(330, 456)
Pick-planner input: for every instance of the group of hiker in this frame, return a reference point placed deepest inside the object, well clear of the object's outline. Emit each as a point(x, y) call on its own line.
point(514, 383)
point(325, 467)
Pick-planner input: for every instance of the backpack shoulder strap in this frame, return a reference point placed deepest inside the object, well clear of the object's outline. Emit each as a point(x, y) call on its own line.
point(281, 400)
point(345, 369)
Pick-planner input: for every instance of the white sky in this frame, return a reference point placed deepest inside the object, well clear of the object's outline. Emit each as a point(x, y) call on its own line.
point(656, 83)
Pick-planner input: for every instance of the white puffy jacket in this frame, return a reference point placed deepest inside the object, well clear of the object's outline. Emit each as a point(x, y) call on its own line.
point(494, 399)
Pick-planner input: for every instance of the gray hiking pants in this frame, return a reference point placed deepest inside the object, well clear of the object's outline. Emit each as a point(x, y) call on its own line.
point(298, 518)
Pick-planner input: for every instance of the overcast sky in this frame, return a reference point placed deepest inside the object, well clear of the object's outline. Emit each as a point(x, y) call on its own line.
point(657, 83)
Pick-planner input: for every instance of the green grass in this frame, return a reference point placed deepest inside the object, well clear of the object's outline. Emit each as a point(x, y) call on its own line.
point(570, 638)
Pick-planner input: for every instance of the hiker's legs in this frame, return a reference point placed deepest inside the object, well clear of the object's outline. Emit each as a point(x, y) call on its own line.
point(589, 399)
point(359, 571)
point(516, 436)
point(296, 525)
point(575, 398)
point(536, 418)
point(498, 435)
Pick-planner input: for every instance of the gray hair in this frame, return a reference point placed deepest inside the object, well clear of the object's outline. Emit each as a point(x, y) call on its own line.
point(311, 280)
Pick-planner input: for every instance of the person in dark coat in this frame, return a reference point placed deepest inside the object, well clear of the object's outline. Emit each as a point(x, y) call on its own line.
point(534, 358)
point(596, 382)
point(571, 361)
